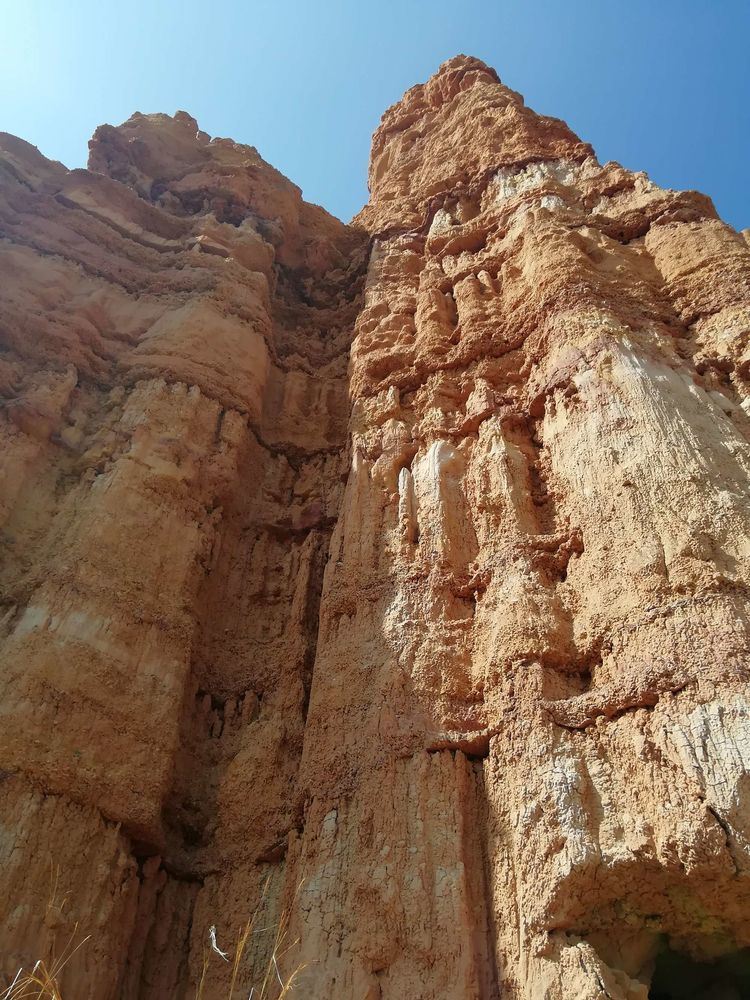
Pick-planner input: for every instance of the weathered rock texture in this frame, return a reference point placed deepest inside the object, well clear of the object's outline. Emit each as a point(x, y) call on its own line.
point(390, 577)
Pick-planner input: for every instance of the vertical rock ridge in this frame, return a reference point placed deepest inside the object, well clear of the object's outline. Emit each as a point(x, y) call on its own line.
point(539, 446)
point(175, 359)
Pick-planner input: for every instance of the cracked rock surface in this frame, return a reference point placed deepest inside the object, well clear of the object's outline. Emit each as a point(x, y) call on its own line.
point(392, 577)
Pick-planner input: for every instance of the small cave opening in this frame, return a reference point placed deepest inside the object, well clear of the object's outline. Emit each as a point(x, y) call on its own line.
point(679, 977)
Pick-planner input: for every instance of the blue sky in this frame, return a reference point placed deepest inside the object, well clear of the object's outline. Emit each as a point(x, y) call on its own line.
point(660, 85)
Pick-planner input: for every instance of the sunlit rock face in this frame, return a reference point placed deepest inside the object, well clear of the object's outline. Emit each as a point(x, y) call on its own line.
point(386, 581)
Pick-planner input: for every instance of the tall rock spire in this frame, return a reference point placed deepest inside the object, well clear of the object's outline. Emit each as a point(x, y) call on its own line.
point(539, 576)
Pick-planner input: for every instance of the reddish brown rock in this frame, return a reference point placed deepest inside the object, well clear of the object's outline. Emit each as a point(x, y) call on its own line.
point(391, 577)
point(174, 421)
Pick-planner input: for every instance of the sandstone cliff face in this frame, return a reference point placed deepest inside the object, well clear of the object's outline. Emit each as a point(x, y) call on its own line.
point(392, 577)
point(175, 344)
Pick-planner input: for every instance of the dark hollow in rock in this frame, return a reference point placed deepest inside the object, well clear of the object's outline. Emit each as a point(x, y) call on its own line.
point(679, 977)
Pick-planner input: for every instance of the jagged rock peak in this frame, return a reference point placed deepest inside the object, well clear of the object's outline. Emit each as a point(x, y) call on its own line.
point(172, 151)
point(450, 132)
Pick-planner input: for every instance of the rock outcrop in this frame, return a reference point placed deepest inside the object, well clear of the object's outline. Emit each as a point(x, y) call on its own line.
point(388, 581)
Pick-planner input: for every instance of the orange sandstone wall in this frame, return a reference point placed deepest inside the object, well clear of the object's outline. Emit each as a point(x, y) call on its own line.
point(391, 577)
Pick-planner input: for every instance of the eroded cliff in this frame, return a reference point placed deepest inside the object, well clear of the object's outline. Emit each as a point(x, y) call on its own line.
point(392, 577)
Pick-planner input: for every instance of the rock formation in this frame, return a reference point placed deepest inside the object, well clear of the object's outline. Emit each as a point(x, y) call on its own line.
point(388, 581)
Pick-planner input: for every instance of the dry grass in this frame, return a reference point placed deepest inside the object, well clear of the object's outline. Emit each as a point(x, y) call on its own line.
point(273, 979)
point(43, 981)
